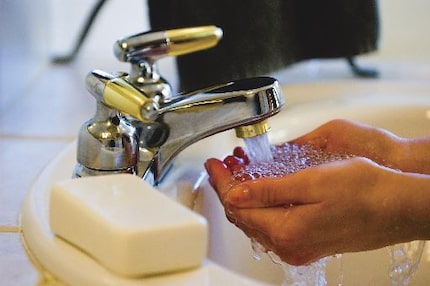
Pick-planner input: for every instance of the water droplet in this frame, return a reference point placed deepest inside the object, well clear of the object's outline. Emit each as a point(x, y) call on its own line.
point(285, 159)
point(405, 258)
point(258, 249)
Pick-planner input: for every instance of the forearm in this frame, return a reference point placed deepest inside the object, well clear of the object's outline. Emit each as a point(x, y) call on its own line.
point(416, 155)
point(407, 155)
point(379, 145)
point(406, 204)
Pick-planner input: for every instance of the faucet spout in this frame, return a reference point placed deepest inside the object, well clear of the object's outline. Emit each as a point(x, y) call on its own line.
point(190, 117)
point(140, 125)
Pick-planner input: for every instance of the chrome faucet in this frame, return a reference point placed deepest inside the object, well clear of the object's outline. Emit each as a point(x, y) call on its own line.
point(152, 126)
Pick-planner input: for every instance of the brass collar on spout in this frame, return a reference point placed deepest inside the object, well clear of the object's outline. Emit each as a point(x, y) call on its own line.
point(247, 131)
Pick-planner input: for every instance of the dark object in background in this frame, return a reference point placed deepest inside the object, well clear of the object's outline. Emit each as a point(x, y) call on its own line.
point(89, 21)
point(264, 36)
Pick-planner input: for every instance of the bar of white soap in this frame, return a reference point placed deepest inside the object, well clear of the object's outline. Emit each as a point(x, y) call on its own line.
point(127, 226)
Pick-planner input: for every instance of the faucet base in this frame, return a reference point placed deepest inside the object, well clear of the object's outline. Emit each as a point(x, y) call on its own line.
point(82, 171)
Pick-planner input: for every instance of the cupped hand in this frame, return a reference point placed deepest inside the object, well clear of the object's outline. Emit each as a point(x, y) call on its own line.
point(377, 144)
point(343, 206)
point(346, 136)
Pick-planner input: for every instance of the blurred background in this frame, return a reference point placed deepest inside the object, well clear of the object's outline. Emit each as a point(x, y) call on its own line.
point(33, 31)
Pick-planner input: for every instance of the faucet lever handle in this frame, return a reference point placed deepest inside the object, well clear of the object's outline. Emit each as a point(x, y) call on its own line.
point(153, 45)
point(117, 93)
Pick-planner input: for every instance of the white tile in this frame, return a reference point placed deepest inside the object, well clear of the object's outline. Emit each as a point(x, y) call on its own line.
point(15, 267)
point(67, 18)
point(21, 162)
point(24, 41)
point(54, 105)
point(57, 103)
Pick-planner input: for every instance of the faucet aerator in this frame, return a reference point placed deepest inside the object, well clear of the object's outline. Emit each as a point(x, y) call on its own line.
point(252, 130)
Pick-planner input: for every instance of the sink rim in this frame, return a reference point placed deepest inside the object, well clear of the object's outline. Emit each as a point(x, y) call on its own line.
point(76, 268)
point(357, 106)
point(36, 192)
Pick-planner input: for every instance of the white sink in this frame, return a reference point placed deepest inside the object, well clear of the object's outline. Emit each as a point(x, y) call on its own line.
point(404, 111)
point(406, 114)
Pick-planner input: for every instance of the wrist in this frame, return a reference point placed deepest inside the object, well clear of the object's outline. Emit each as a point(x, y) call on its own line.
point(414, 210)
point(413, 155)
point(400, 155)
point(402, 206)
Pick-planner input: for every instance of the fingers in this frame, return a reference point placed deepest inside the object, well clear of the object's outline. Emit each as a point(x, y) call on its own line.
point(333, 134)
point(313, 138)
point(345, 136)
point(233, 163)
point(238, 160)
point(278, 230)
point(317, 137)
point(265, 220)
point(257, 224)
point(240, 153)
point(219, 176)
point(272, 192)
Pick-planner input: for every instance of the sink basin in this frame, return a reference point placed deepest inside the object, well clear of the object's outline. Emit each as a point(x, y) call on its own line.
point(404, 110)
point(405, 114)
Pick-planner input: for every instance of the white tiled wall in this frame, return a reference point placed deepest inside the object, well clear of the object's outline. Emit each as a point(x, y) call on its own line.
point(23, 46)
point(118, 18)
point(42, 106)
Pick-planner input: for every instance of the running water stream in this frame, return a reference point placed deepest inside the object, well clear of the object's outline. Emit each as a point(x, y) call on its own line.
point(258, 148)
point(268, 160)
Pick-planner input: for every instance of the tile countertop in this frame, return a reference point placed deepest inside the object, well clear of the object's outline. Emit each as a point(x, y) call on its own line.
point(43, 120)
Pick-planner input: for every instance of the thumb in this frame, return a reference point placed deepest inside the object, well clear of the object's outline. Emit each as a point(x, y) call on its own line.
point(219, 176)
point(269, 192)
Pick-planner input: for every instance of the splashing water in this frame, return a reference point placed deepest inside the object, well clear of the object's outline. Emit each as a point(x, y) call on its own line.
point(312, 274)
point(308, 275)
point(285, 159)
point(405, 259)
point(276, 161)
point(258, 249)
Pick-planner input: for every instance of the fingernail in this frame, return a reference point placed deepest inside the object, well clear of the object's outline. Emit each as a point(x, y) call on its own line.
point(207, 166)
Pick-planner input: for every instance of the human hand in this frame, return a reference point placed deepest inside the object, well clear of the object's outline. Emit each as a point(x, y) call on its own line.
point(345, 136)
point(350, 205)
point(344, 206)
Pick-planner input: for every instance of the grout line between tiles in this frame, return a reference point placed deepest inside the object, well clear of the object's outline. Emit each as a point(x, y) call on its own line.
point(38, 138)
point(9, 229)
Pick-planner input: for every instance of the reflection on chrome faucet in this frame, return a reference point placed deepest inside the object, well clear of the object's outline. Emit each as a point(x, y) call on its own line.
point(164, 129)
point(140, 126)
point(192, 117)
